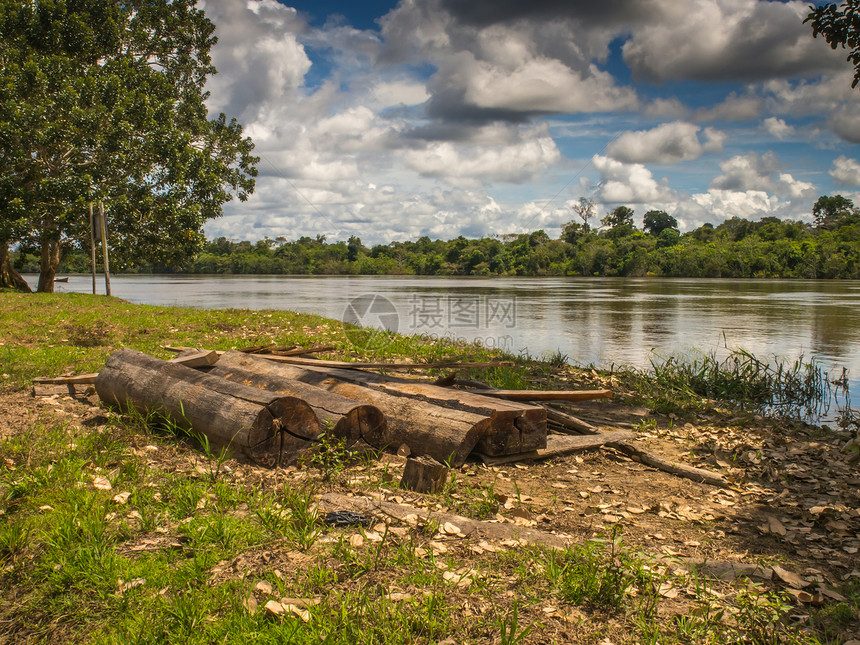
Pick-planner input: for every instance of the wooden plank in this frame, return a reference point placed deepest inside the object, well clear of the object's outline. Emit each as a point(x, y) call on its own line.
point(561, 445)
point(198, 358)
point(80, 379)
point(549, 395)
point(315, 362)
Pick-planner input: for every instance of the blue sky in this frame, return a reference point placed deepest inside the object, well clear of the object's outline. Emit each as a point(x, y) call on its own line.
point(438, 117)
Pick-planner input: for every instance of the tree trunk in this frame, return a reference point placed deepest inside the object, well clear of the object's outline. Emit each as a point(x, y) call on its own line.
point(269, 428)
point(347, 419)
point(9, 277)
point(48, 265)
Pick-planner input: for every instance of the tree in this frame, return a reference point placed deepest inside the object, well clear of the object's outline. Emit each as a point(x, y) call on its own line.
point(655, 222)
point(585, 211)
point(831, 212)
point(105, 100)
point(621, 216)
point(840, 27)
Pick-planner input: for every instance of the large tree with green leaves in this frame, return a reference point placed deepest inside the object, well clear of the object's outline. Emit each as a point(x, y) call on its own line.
point(840, 26)
point(105, 100)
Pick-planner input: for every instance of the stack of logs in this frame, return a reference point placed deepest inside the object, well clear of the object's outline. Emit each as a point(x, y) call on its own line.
point(274, 410)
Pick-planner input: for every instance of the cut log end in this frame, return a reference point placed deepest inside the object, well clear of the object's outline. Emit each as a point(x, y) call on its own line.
point(424, 475)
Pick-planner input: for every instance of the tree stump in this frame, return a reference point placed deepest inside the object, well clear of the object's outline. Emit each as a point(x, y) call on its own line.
point(424, 475)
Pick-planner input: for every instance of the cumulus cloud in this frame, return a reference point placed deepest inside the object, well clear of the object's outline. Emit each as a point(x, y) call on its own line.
point(845, 171)
point(759, 173)
point(733, 108)
point(709, 40)
point(460, 164)
point(667, 143)
point(777, 127)
point(627, 183)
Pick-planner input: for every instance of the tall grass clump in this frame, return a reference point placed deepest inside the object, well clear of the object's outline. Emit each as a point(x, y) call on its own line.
point(799, 388)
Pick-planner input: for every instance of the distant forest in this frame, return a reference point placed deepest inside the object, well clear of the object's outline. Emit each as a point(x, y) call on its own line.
point(736, 248)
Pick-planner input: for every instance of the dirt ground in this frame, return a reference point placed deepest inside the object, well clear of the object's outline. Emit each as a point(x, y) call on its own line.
point(794, 501)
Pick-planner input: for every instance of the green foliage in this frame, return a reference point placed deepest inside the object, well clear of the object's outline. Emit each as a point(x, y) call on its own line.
point(106, 101)
point(736, 248)
point(840, 27)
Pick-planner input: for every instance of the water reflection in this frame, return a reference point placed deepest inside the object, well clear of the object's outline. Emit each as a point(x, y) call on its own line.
point(598, 321)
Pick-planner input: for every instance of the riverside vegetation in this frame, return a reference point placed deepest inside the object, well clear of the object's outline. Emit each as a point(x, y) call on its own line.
point(120, 529)
point(736, 248)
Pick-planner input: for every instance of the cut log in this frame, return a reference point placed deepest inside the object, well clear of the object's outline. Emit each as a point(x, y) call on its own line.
point(424, 475)
point(571, 422)
point(269, 428)
point(514, 427)
point(561, 445)
point(344, 418)
point(442, 433)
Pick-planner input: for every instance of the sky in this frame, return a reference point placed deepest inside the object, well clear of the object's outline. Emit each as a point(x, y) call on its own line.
point(396, 120)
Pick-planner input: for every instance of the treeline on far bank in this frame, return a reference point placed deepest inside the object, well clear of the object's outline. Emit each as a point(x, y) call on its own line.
point(736, 248)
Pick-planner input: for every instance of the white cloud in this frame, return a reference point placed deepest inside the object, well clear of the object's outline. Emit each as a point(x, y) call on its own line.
point(845, 171)
point(667, 143)
point(628, 183)
point(778, 128)
point(460, 164)
point(754, 173)
point(733, 108)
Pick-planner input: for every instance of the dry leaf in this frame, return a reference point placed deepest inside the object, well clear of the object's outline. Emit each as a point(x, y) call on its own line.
point(121, 498)
point(775, 526)
point(791, 579)
point(101, 483)
point(264, 586)
point(250, 604)
point(275, 608)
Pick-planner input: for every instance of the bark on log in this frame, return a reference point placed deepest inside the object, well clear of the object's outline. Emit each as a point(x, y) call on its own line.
point(269, 428)
point(424, 475)
point(445, 434)
point(347, 419)
point(514, 427)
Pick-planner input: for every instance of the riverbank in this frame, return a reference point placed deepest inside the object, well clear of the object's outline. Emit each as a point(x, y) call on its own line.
point(116, 531)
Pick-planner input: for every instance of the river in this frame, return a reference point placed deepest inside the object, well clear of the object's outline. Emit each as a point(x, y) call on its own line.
point(599, 321)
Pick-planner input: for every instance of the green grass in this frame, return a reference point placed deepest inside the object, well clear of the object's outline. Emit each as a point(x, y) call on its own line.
point(177, 559)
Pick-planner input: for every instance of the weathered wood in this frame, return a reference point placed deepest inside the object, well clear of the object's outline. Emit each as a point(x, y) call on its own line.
point(424, 475)
point(514, 427)
point(468, 527)
point(269, 428)
point(445, 434)
point(196, 358)
point(315, 362)
point(80, 379)
point(548, 395)
point(561, 445)
point(571, 422)
point(345, 418)
point(682, 470)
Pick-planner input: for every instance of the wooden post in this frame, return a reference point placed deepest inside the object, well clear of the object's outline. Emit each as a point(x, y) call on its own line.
point(93, 247)
point(104, 246)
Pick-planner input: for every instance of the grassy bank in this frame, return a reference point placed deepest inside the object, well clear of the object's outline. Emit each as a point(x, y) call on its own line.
point(114, 530)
